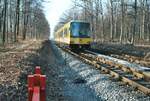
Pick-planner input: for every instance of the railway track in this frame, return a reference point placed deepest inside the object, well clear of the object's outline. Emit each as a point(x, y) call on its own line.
point(136, 78)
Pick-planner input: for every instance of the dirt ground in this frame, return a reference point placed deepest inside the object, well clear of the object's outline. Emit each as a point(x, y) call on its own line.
point(15, 65)
point(17, 62)
point(135, 54)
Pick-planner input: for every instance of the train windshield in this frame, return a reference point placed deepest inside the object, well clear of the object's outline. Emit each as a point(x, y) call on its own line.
point(79, 29)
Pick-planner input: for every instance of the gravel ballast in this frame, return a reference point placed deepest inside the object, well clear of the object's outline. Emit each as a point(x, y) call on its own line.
point(96, 86)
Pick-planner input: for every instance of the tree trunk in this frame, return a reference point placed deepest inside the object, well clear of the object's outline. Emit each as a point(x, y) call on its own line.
point(26, 7)
point(135, 22)
point(101, 7)
point(142, 33)
point(4, 21)
point(122, 20)
point(18, 16)
point(112, 21)
point(96, 19)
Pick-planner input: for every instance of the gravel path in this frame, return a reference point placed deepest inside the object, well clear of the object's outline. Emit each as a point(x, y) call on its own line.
point(82, 82)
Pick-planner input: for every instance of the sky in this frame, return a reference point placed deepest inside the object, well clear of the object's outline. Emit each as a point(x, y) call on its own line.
point(54, 9)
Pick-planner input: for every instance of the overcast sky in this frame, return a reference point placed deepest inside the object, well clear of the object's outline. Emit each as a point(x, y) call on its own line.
point(54, 10)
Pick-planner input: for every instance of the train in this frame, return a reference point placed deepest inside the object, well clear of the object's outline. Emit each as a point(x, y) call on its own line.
point(74, 34)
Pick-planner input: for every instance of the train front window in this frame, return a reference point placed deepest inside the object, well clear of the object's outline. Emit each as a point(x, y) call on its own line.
point(80, 29)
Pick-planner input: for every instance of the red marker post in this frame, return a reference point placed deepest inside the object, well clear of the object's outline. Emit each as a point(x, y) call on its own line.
point(37, 86)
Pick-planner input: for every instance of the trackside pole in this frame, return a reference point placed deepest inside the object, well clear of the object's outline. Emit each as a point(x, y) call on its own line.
point(37, 86)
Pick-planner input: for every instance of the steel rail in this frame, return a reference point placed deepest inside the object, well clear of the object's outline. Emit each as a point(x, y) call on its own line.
point(127, 75)
point(137, 73)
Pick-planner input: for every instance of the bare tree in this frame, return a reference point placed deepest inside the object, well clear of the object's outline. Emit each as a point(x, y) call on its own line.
point(124, 21)
point(4, 20)
point(19, 23)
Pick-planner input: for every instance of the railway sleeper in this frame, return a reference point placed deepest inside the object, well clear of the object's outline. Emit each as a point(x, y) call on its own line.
point(138, 86)
point(127, 77)
point(136, 73)
point(142, 87)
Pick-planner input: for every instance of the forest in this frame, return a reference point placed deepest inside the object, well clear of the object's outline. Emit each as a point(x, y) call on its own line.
point(21, 20)
point(115, 21)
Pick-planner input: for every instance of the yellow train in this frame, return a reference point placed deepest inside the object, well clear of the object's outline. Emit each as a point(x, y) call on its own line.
point(74, 34)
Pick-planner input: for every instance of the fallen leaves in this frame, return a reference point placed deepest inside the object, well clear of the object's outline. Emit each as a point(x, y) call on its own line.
point(13, 70)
